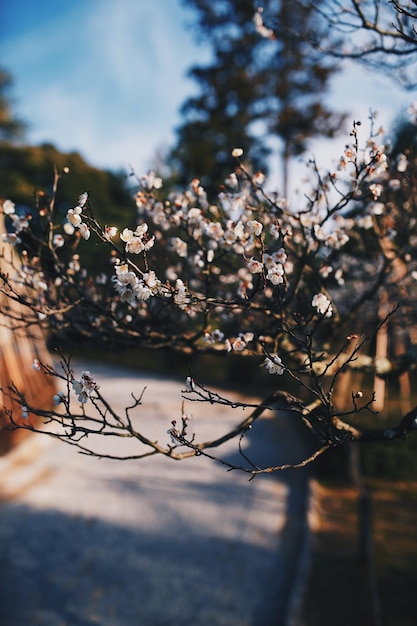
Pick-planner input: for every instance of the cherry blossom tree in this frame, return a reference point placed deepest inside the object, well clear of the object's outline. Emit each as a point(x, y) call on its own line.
point(294, 288)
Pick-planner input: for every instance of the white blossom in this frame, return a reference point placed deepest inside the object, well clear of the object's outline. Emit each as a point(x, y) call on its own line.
point(232, 181)
point(254, 266)
point(325, 270)
point(376, 190)
point(214, 230)
point(376, 208)
point(179, 246)
point(339, 276)
point(69, 228)
point(58, 241)
point(82, 200)
point(126, 283)
point(11, 238)
point(255, 227)
point(280, 256)
point(150, 181)
point(337, 239)
point(110, 232)
point(189, 384)
point(84, 231)
point(181, 295)
point(273, 364)
point(322, 304)
point(74, 216)
point(8, 207)
point(126, 235)
point(58, 398)
point(258, 178)
point(74, 264)
point(138, 241)
point(276, 274)
point(402, 163)
point(394, 184)
point(134, 245)
point(216, 336)
point(248, 337)
point(19, 222)
point(152, 281)
point(365, 222)
point(239, 344)
point(84, 387)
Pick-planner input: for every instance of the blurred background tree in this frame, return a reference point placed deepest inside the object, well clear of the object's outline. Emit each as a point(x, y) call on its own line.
point(255, 89)
point(27, 176)
point(11, 128)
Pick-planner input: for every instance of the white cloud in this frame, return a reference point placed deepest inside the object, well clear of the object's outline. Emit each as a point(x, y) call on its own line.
point(104, 78)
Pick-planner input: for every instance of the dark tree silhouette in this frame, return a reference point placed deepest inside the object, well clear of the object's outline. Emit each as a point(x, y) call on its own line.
point(255, 88)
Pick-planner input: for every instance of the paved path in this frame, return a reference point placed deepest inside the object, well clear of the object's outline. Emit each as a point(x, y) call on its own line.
point(155, 542)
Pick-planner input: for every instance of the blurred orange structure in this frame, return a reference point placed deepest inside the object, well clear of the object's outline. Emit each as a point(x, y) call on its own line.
point(19, 347)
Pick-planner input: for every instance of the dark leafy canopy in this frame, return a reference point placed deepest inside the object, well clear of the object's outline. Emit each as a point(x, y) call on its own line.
point(27, 176)
point(253, 89)
point(27, 172)
point(221, 116)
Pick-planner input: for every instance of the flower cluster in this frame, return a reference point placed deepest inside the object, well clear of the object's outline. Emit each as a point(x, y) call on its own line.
point(240, 343)
point(137, 241)
point(132, 289)
point(84, 387)
point(177, 435)
point(322, 304)
point(274, 365)
point(19, 223)
point(74, 218)
point(181, 297)
point(216, 336)
point(150, 181)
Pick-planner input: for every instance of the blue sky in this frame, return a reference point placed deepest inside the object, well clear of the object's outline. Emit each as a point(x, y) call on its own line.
point(107, 77)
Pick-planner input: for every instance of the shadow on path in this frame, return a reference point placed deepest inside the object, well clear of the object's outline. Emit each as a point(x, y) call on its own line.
point(283, 440)
point(57, 570)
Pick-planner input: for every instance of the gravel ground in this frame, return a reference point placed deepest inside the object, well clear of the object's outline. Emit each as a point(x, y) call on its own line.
point(154, 542)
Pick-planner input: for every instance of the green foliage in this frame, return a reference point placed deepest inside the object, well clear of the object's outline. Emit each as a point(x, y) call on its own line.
point(28, 172)
point(27, 175)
